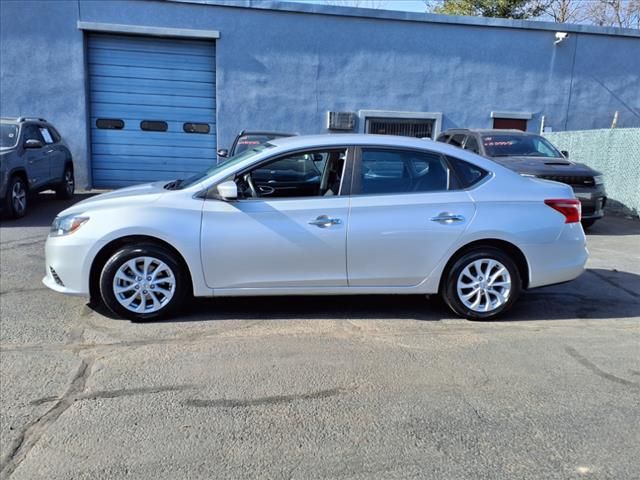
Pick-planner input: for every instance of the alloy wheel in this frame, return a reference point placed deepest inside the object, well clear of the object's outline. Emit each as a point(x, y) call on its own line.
point(484, 285)
point(19, 197)
point(144, 284)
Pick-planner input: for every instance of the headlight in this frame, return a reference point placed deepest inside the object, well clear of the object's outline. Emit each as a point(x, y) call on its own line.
point(598, 179)
point(67, 225)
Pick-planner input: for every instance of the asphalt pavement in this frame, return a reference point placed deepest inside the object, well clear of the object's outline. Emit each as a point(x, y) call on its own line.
point(322, 387)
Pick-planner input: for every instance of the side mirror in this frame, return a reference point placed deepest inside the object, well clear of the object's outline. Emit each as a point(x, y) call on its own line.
point(223, 152)
point(565, 153)
point(32, 143)
point(228, 190)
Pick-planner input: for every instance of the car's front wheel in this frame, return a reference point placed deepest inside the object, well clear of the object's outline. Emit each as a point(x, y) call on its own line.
point(16, 200)
point(482, 284)
point(143, 282)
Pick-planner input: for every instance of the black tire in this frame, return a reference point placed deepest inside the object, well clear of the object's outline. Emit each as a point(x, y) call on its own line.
point(449, 290)
point(586, 224)
point(64, 191)
point(124, 255)
point(16, 197)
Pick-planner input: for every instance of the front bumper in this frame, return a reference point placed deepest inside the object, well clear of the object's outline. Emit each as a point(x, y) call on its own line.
point(68, 263)
point(593, 201)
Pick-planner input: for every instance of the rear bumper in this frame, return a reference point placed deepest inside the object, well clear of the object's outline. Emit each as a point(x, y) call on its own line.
point(560, 261)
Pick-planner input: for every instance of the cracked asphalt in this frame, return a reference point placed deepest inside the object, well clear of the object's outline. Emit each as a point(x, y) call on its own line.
point(323, 387)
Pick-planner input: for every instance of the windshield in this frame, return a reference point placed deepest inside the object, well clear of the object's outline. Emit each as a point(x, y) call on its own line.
point(245, 142)
point(510, 145)
point(8, 135)
point(198, 177)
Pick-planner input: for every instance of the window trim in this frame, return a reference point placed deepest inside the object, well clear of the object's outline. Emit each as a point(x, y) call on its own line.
point(345, 182)
point(357, 169)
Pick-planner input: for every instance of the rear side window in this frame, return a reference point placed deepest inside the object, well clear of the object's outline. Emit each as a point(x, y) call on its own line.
point(472, 144)
point(466, 173)
point(444, 138)
point(400, 171)
point(457, 140)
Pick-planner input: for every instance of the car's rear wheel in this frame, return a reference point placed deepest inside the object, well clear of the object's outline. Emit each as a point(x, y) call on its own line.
point(143, 282)
point(482, 284)
point(67, 186)
point(16, 200)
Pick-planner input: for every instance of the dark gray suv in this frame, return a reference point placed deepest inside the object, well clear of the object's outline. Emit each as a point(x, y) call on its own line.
point(531, 154)
point(33, 158)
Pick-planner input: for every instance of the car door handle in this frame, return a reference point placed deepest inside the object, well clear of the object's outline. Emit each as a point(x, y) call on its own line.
point(50, 151)
point(445, 217)
point(324, 221)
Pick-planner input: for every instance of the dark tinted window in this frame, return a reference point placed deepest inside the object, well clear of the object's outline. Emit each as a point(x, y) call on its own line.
point(472, 144)
point(457, 140)
point(317, 173)
point(401, 171)
point(153, 126)
point(466, 173)
point(443, 137)
point(110, 123)
point(55, 134)
point(196, 127)
point(31, 132)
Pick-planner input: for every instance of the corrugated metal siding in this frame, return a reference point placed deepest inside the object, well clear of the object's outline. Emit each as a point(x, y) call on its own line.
point(138, 78)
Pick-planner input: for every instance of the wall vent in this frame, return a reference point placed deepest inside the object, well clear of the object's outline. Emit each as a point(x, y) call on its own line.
point(341, 120)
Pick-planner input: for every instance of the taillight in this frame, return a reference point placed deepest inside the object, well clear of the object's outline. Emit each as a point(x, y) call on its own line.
point(569, 207)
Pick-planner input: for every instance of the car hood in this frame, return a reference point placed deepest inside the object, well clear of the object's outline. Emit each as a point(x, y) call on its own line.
point(544, 166)
point(124, 197)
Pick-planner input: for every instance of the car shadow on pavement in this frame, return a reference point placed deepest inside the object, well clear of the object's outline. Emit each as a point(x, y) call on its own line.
point(615, 226)
point(597, 294)
point(42, 209)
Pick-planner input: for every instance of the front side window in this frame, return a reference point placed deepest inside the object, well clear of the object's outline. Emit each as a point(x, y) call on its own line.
point(305, 174)
point(31, 132)
point(510, 145)
point(400, 171)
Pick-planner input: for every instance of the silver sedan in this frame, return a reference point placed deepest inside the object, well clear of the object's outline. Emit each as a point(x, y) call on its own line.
point(323, 215)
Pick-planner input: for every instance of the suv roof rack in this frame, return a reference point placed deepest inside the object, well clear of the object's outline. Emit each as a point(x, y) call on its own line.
point(24, 119)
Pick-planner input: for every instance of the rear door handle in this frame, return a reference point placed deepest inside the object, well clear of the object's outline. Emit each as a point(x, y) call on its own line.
point(447, 218)
point(324, 221)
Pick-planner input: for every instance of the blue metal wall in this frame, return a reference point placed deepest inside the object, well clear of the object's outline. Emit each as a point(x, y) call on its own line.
point(283, 66)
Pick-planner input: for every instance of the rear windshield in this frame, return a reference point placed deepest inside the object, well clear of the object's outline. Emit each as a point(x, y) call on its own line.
point(8, 135)
point(513, 145)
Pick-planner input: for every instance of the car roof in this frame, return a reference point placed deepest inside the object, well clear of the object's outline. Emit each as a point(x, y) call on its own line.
point(338, 139)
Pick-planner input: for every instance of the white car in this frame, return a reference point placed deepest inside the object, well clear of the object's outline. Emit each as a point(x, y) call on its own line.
point(323, 215)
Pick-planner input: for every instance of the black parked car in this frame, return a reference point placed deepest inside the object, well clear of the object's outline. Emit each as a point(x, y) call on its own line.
point(33, 158)
point(531, 154)
point(247, 139)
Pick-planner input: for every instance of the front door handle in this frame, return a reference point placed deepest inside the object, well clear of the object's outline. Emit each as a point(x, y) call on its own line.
point(446, 217)
point(49, 151)
point(324, 221)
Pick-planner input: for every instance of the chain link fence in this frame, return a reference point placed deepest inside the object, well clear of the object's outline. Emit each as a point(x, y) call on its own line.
point(615, 153)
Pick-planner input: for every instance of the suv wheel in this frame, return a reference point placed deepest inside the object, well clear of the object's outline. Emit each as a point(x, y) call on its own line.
point(143, 282)
point(482, 284)
point(65, 189)
point(16, 197)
